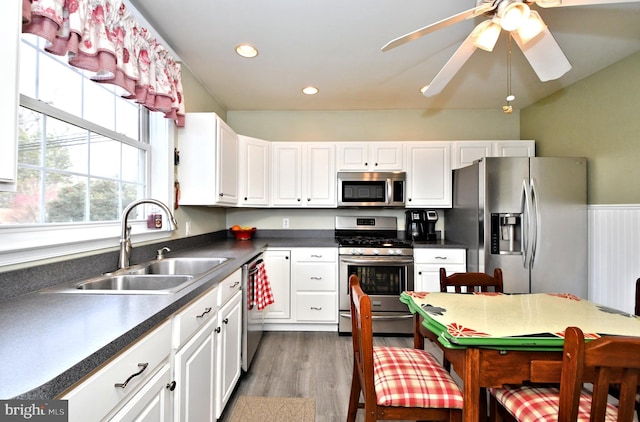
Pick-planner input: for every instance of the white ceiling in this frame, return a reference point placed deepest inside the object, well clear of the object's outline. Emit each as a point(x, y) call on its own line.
point(335, 45)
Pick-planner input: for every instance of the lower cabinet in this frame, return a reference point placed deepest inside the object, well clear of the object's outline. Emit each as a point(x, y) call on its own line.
point(278, 267)
point(132, 375)
point(184, 370)
point(427, 264)
point(229, 348)
point(153, 402)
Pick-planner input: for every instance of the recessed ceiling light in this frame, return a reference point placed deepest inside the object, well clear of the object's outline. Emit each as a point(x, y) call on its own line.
point(246, 50)
point(423, 89)
point(310, 90)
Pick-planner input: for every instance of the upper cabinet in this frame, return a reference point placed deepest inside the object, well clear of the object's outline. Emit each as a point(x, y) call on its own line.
point(10, 31)
point(370, 156)
point(466, 152)
point(253, 175)
point(428, 174)
point(303, 174)
point(208, 161)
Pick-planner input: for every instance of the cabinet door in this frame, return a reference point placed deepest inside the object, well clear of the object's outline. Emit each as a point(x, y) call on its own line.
point(320, 175)
point(352, 156)
point(278, 268)
point(427, 278)
point(286, 174)
point(10, 31)
point(195, 376)
point(466, 152)
point(428, 174)
point(227, 164)
point(514, 149)
point(254, 181)
point(152, 403)
point(386, 156)
point(229, 349)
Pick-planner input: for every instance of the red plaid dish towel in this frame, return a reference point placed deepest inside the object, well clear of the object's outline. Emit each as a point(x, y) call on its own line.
point(262, 295)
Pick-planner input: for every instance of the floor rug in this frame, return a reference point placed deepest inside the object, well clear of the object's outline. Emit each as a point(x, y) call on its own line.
point(273, 409)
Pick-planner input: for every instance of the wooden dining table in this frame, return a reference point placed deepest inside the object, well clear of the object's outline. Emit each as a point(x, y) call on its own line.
point(491, 339)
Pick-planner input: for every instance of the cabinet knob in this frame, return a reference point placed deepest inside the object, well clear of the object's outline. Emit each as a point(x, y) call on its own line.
point(171, 386)
point(221, 194)
point(298, 199)
point(366, 164)
point(245, 198)
point(218, 329)
point(226, 320)
point(409, 199)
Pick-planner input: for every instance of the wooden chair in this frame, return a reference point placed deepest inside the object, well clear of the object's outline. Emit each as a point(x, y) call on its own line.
point(479, 282)
point(601, 362)
point(396, 383)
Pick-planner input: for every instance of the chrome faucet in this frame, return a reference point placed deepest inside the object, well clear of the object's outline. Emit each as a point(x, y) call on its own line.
point(125, 238)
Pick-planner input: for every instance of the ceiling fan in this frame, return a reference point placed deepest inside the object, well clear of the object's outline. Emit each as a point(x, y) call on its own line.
point(525, 26)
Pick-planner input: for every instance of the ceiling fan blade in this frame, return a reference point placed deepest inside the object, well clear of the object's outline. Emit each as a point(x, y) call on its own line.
point(435, 26)
point(544, 55)
point(567, 3)
point(450, 68)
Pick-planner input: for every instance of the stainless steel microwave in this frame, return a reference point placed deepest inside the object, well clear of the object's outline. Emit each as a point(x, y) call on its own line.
point(371, 189)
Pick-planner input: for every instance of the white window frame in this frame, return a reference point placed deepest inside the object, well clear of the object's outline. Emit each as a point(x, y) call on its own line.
point(33, 243)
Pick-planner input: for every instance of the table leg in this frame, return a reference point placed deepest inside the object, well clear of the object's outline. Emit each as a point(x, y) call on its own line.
point(471, 386)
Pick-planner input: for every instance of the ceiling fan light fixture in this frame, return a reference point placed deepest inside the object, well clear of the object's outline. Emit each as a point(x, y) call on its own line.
point(532, 27)
point(486, 35)
point(513, 14)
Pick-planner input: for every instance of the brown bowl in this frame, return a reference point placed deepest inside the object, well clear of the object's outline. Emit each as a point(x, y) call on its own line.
point(242, 234)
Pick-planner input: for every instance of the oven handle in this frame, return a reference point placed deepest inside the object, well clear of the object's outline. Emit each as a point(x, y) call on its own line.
point(385, 260)
point(382, 317)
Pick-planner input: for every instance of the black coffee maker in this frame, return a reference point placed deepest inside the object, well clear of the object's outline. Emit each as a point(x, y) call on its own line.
point(421, 224)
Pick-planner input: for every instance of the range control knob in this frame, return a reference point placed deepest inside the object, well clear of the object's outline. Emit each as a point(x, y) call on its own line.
point(392, 252)
point(376, 252)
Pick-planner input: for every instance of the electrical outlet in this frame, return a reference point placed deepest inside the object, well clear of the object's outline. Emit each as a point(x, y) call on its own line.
point(187, 228)
point(285, 223)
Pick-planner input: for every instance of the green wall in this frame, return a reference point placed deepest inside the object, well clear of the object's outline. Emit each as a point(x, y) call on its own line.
point(596, 118)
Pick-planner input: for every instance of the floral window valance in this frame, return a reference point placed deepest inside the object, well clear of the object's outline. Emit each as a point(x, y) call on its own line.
point(101, 36)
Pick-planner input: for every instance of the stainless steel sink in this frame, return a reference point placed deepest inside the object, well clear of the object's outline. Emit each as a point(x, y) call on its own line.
point(172, 266)
point(129, 283)
point(160, 276)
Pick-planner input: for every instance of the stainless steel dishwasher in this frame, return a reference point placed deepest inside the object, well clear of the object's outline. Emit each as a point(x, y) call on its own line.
point(252, 318)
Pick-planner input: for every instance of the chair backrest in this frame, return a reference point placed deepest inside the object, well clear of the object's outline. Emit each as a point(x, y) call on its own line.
point(603, 361)
point(362, 335)
point(471, 281)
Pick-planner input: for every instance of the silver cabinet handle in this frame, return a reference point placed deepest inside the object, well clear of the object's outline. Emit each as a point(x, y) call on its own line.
point(206, 311)
point(234, 285)
point(316, 308)
point(143, 366)
point(316, 278)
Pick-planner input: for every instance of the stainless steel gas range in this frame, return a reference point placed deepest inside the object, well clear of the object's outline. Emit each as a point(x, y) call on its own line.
point(370, 248)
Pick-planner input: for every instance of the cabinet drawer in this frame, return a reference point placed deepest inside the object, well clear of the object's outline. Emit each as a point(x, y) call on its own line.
point(195, 315)
point(316, 277)
point(229, 286)
point(439, 256)
point(151, 350)
point(315, 255)
point(313, 306)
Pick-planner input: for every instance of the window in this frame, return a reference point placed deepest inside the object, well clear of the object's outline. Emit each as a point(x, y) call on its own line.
point(83, 155)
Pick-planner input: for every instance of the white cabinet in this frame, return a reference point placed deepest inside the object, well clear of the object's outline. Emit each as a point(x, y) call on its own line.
point(315, 274)
point(370, 156)
point(278, 267)
point(229, 349)
point(428, 174)
point(152, 403)
point(466, 152)
point(10, 31)
point(208, 170)
point(253, 173)
point(122, 378)
point(514, 149)
point(303, 174)
point(194, 361)
point(427, 264)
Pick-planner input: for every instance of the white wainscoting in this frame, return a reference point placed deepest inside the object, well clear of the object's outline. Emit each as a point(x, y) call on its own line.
point(614, 255)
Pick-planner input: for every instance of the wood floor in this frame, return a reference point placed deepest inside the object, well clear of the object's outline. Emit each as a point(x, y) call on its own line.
point(307, 364)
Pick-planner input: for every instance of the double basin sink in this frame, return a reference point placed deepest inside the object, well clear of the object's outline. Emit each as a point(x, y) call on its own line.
point(160, 276)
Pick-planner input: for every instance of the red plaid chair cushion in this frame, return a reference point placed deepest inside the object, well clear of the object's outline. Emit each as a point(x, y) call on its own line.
point(412, 378)
point(531, 404)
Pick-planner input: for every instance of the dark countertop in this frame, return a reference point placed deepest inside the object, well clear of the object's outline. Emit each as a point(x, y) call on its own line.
point(52, 340)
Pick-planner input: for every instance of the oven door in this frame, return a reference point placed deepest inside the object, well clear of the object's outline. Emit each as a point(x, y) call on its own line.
point(382, 278)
